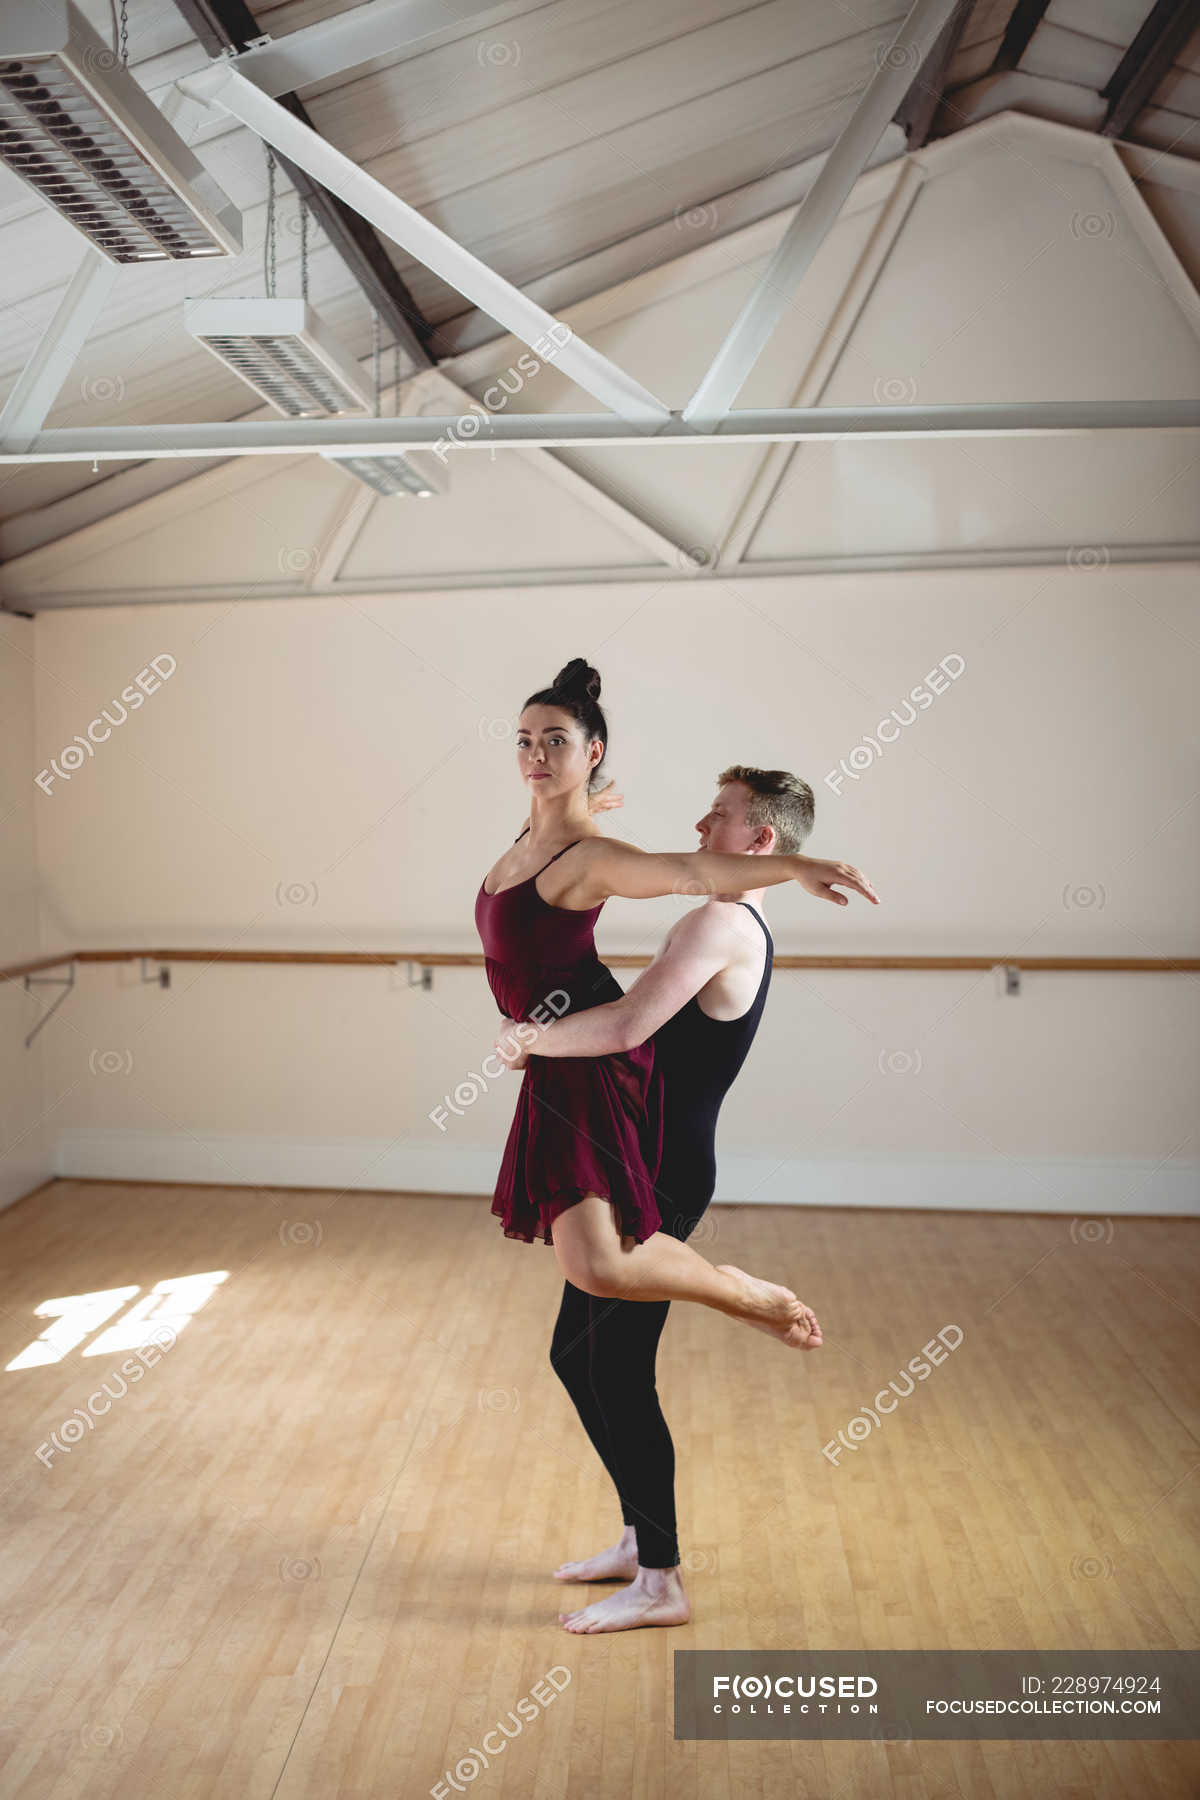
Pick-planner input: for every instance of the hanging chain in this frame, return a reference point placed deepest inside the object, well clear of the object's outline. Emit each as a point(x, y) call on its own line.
point(120, 33)
point(269, 234)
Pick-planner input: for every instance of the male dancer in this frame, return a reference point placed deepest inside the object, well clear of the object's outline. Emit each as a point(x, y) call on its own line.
point(701, 999)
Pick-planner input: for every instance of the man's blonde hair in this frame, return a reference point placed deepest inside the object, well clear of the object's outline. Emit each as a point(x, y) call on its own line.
point(777, 798)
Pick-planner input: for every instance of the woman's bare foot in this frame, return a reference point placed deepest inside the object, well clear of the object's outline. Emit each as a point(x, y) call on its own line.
point(619, 1563)
point(774, 1309)
point(654, 1597)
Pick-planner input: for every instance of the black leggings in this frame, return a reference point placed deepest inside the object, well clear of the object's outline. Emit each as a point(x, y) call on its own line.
point(604, 1351)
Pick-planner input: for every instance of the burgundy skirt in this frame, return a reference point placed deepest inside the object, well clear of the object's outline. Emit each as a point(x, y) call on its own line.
point(583, 1125)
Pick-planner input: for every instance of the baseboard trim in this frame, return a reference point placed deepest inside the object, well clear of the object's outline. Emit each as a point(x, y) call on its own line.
point(1077, 1186)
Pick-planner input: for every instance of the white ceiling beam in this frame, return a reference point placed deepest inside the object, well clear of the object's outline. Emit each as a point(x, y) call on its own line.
point(437, 582)
point(221, 86)
point(40, 381)
point(381, 28)
point(367, 437)
point(817, 212)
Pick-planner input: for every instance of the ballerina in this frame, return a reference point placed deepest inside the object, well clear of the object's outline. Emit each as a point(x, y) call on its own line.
point(586, 1138)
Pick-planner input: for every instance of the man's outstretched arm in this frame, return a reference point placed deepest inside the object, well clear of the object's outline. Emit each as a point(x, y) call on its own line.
point(700, 946)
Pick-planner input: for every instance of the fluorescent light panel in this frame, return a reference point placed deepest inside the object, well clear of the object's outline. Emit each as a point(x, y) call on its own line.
point(388, 475)
point(79, 130)
point(282, 349)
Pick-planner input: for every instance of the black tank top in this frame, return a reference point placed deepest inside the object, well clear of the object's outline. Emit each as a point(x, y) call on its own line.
point(699, 1057)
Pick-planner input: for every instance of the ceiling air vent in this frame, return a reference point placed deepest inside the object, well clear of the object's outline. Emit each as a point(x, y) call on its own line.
point(76, 126)
point(283, 351)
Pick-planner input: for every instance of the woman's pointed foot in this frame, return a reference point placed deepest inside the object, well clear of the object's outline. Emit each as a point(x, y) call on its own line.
point(774, 1309)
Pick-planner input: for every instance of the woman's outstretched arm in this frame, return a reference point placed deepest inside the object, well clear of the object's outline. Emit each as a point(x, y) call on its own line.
point(615, 869)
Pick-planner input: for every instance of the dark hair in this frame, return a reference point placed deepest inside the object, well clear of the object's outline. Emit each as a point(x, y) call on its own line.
point(576, 689)
point(778, 798)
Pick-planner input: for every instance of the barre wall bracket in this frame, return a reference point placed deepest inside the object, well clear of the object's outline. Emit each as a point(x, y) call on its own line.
point(66, 982)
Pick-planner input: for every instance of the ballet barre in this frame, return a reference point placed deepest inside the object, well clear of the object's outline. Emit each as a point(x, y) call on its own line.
point(1137, 965)
point(423, 962)
point(473, 959)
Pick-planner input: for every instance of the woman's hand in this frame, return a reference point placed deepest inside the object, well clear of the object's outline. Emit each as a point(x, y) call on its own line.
point(819, 879)
point(604, 800)
point(509, 1047)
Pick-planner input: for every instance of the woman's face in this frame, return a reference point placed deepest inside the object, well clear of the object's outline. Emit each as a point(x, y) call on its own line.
point(552, 755)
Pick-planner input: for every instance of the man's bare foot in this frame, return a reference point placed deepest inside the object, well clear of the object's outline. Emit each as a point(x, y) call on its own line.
point(655, 1597)
point(775, 1309)
point(619, 1563)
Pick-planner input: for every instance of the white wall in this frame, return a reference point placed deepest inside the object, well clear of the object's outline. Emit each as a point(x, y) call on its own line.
point(27, 1129)
point(320, 774)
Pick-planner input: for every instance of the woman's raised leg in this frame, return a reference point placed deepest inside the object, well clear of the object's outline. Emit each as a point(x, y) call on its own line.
point(593, 1256)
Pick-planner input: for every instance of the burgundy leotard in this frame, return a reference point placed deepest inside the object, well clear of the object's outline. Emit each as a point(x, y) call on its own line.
point(583, 1124)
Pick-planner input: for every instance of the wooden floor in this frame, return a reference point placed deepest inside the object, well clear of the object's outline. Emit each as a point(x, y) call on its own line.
point(307, 1555)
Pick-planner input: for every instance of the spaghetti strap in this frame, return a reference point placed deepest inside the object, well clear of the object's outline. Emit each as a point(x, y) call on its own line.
point(555, 858)
point(520, 835)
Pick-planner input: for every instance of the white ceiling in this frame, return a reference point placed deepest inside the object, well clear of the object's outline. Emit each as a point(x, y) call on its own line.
point(569, 144)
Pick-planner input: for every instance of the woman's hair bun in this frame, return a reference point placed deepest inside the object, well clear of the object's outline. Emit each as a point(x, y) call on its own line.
point(578, 677)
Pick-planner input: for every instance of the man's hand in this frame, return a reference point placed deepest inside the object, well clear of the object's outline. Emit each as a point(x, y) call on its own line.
point(821, 878)
point(604, 800)
point(509, 1047)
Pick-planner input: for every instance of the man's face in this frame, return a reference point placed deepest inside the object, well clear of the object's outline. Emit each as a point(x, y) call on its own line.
point(724, 826)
